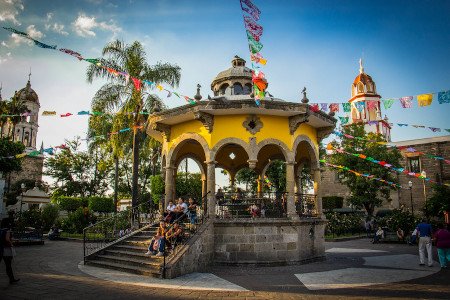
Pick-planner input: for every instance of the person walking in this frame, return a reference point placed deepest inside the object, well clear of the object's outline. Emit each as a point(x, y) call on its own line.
point(442, 238)
point(424, 230)
point(7, 249)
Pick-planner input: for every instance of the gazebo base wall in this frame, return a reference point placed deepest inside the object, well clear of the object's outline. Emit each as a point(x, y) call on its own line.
point(268, 241)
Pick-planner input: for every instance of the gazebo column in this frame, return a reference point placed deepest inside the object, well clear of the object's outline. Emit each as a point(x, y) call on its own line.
point(169, 185)
point(260, 186)
point(290, 189)
point(211, 187)
point(204, 191)
point(318, 198)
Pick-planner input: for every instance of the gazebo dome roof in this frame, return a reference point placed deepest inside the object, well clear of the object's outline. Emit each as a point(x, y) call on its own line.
point(238, 70)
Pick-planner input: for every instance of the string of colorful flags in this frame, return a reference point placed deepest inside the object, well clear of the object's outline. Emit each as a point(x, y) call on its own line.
point(381, 163)
point(52, 150)
point(407, 149)
point(47, 113)
point(137, 82)
point(406, 102)
point(251, 14)
point(369, 176)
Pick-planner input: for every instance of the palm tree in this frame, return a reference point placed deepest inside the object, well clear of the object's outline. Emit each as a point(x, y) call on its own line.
point(15, 107)
point(120, 96)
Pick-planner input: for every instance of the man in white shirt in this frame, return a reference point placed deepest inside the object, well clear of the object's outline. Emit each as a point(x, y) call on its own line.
point(181, 208)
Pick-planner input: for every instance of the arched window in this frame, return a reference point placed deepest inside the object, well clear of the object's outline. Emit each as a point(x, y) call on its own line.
point(369, 87)
point(223, 89)
point(360, 87)
point(247, 89)
point(237, 89)
point(26, 139)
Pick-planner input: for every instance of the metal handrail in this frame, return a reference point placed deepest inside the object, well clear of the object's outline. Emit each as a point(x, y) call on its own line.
point(102, 239)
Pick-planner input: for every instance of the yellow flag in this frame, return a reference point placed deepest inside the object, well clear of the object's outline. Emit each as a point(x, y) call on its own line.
point(425, 99)
point(329, 146)
point(21, 155)
point(49, 113)
point(263, 61)
point(159, 87)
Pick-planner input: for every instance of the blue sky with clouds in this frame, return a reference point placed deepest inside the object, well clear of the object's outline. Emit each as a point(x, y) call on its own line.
point(317, 44)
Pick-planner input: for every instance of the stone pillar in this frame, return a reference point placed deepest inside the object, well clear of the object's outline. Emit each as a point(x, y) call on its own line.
point(211, 187)
point(204, 191)
point(169, 185)
point(318, 203)
point(290, 186)
point(232, 179)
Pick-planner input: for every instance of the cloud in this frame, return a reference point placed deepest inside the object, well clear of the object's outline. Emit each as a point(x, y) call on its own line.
point(32, 32)
point(84, 26)
point(5, 59)
point(55, 27)
point(9, 9)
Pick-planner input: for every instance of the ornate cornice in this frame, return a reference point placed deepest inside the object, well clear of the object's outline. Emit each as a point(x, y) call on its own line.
point(295, 121)
point(324, 132)
point(206, 119)
point(164, 129)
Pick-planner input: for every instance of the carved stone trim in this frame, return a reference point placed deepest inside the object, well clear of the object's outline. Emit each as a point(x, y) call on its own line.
point(253, 124)
point(206, 119)
point(324, 132)
point(164, 129)
point(296, 121)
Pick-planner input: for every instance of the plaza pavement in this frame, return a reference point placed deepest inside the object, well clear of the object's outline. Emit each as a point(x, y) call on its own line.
point(353, 269)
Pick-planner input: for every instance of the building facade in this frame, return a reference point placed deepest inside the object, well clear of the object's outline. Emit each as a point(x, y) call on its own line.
point(364, 90)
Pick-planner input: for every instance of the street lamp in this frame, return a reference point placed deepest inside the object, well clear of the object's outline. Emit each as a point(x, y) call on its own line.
point(22, 187)
point(424, 175)
point(410, 192)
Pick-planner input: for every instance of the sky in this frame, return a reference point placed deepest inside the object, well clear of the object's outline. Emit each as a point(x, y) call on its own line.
point(317, 44)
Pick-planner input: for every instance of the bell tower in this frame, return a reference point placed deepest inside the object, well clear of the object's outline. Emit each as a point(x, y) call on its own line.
point(366, 105)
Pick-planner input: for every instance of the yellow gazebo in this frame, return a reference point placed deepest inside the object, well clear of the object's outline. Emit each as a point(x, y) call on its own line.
point(231, 132)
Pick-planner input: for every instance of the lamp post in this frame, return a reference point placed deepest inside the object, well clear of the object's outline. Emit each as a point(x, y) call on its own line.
point(424, 175)
point(410, 192)
point(22, 187)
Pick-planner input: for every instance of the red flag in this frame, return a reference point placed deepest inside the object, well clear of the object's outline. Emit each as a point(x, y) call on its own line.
point(315, 107)
point(66, 115)
point(137, 83)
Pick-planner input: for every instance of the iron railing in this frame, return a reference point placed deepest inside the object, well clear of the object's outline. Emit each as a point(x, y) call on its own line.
point(110, 230)
point(305, 205)
point(249, 205)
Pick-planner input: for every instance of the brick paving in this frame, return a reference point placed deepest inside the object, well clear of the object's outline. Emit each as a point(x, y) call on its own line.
point(51, 272)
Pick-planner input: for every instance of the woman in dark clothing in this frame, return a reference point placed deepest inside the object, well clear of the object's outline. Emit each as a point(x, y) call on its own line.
point(7, 250)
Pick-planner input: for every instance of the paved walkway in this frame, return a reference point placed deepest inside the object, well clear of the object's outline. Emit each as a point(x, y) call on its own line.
point(353, 269)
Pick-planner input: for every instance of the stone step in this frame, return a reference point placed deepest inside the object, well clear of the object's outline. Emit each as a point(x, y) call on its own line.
point(140, 243)
point(125, 268)
point(141, 237)
point(144, 262)
point(130, 248)
point(132, 254)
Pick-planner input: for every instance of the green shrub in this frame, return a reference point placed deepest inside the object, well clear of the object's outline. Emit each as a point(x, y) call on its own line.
point(76, 221)
point(69, 203)
point(30, 218)
point(101, 204)
point(398, 218)
point(49, 215)
point(339, 224)
point(332, 202)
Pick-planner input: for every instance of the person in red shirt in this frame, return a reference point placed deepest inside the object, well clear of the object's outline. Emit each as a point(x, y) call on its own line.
point(442, 239)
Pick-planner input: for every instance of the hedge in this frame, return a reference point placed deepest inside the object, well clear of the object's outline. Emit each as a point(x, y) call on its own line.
point(101, 204)
point(332, 202)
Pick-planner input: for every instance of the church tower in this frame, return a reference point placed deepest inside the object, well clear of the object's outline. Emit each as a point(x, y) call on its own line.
point(366, 106)
point(26, 130)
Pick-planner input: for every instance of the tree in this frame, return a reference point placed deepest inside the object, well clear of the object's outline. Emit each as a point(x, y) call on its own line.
point(120, 95)
point(276, 173)
point(8, 151)
point(366, 193)
point(15, 107)
point(439, 202)
point(77, 173)
point(248, 177)
point(189, 186)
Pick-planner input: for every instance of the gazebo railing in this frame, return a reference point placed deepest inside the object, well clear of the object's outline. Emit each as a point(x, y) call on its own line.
point(250, 207)
point(305, 205)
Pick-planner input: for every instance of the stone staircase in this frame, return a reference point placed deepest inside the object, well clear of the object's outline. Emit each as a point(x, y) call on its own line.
point(129, 255)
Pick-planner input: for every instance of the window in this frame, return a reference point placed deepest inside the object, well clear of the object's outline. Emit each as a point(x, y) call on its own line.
point(414, 164)
point(237, 89)
point(223, 89)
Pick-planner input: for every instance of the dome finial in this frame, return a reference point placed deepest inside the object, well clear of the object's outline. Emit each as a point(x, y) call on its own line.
point(29, 75)
point(361, 68)
point(197, 96)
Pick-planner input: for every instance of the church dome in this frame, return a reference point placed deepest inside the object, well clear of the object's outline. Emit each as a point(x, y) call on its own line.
point(28, 94)
point(363, 84)
point(236, 80)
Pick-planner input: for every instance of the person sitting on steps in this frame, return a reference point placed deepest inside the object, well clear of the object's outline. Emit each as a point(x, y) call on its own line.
point(156, 246)
point(174, 235)
point(168, 214)
point(180, 210)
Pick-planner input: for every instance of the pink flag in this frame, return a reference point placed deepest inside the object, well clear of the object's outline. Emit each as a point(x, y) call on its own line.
point(66, 115)
point(315, 107)
point(253, 27)
point(371, 105)
point(406, 101)
point(334, 107)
